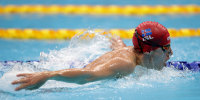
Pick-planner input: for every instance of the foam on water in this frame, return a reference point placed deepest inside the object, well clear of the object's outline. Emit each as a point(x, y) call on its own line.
point(143, 77)
point(78, 54)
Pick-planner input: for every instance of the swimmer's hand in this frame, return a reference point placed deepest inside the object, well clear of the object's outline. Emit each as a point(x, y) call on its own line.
point(31, 81)
point(117, 43)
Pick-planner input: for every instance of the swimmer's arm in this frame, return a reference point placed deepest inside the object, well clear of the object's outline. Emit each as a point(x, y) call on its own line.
point(32, 81)
point(35, 80)
point(117, 43)
point(76, 75)
point(116, 67)
point(83, 75)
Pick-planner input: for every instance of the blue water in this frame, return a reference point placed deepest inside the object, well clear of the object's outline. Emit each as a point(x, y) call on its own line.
point(90, 22)
point(185, 49)
point(167, 84)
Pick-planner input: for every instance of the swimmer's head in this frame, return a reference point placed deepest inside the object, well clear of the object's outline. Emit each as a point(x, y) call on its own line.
point(153, 40)
point(150, 36)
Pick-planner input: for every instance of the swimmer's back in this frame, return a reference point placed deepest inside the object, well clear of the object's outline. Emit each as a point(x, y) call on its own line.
point(122, 60)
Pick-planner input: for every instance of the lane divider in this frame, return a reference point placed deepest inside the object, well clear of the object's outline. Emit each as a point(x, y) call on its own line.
point(100, 9)
point(69, 33)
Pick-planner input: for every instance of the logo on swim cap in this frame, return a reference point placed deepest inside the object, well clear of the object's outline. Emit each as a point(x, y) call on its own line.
point(146, 34)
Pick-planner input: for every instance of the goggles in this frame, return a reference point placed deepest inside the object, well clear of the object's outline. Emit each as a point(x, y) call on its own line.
point(166, 48)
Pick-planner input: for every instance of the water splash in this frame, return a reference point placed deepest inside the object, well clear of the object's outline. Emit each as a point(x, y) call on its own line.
point(10, 75)
point(143, 77)
point(79, 53)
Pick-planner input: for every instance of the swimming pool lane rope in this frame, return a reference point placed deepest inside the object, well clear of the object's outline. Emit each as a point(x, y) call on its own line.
point(69, 33)
point(100, 9)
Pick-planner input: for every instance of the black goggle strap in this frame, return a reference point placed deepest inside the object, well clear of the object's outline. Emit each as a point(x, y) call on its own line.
point(138, 40)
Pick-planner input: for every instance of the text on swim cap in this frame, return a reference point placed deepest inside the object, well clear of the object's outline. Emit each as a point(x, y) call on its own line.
point(146, 34)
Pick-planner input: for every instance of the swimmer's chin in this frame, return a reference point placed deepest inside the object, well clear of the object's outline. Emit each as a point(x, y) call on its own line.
point(160, 67)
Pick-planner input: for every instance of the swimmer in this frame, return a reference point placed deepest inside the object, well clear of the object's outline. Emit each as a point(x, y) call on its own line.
point(151, 49)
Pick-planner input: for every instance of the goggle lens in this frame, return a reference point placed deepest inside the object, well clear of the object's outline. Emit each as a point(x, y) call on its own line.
point(166, 48)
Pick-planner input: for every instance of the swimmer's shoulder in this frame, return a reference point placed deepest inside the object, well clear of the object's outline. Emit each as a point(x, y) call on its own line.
point(127, 53)
point(128, 60)
point(129, 50)
point(131, 55)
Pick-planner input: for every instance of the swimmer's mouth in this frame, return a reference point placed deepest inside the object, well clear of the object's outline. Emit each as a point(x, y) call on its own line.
point(165, 63)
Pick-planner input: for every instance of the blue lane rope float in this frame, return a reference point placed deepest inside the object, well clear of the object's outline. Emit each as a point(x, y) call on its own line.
point(183, 65)
point(179, 65)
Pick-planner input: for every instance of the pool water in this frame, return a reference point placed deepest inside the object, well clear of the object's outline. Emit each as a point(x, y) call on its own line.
point(54, 55)
point(167, 84)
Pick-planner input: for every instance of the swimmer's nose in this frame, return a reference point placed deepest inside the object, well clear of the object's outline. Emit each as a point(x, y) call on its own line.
point(169, 53)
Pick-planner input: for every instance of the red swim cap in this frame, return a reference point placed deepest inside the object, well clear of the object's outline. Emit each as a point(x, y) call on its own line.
point(149, 36)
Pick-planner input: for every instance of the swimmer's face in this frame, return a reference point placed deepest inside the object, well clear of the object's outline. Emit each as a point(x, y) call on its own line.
point(159, 57)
